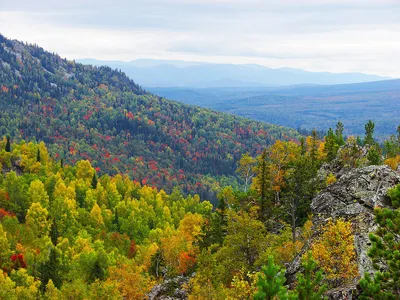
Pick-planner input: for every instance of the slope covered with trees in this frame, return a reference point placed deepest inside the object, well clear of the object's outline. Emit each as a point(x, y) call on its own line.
point(67, 234)
point(99, 114)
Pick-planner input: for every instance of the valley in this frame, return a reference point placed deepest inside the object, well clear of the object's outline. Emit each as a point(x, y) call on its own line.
point(304, 107)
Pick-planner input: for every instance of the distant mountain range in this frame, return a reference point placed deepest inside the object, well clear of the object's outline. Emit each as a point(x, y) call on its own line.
point(171, 73)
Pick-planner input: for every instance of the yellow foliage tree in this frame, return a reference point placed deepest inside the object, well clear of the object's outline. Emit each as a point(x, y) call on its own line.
point(246, 168)
point(243, 286)
point(190, 226)
point(330, 179)
point(27, 287)
point(52, 293)
point(281, 154)
point(96, 217)
point(131, 280)
point(7, 287)
point(37, 193)
point(335, 253)
point(5, 251)
point(178, 246)
point(37, 219)
point(393, 162)
point(84, 170)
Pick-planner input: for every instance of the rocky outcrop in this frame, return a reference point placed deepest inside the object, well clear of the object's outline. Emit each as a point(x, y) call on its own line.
point(170, 289)
point(353, 198)
point(348, 157)
point(14, 165)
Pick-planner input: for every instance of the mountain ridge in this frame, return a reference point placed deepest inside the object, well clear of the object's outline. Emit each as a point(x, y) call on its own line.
point(199, 74)
point(100, 114)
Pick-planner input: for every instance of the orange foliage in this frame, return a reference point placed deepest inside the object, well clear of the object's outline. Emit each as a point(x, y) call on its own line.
point(131, 280)
point(187, 259)
point(4, 213)
point(393, 162)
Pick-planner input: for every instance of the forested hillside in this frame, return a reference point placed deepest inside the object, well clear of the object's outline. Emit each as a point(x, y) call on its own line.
point(99, 114)
point(67, 234)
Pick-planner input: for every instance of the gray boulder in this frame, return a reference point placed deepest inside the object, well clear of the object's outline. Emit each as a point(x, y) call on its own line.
point(352, 198)
point(170, 289)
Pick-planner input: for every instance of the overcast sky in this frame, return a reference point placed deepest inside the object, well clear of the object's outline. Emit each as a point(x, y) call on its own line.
point(316, 35)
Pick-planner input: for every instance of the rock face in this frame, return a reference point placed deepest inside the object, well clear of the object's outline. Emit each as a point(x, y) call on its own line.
point(170, 289)
point(352, 198)
point(349, 156)
point(15, 166)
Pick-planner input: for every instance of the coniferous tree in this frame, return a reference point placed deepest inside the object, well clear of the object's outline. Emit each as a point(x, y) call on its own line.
point(394, 194)
point(369, 133)
point(314, 149)
point(302, 146)
point(38, 156)
point(116, 220)
point(331, 146)
point(270, 284)
point(54, 233)
point(309, 285)
point(385, 255)
point(8, 144)
point(374, 155)
point(299, 193)
point(339, 133)
point(262, 183)
point(50, 270)
point(94, 181)
point(97, 272)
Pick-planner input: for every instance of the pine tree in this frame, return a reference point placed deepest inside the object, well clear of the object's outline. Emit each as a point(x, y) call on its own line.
point(38, 156)
point(261, 183)
point(299, 193)
point(339, 133)
point(309, 284)
point(97, 272)
point(302, 146)
point(385, 255)
point(374, 156)
point(369, 133)
point(94, 181)
point(314, 149)
point(331, 146)
point(116, 220)
point(394, 194)
point(50, 270)
point(54, 233)
point(8, 144)
point(270, 284)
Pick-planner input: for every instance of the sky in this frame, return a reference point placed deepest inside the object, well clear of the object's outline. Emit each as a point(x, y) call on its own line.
point(316, 35)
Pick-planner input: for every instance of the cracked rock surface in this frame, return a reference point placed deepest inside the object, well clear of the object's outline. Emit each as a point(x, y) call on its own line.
point(352, 198)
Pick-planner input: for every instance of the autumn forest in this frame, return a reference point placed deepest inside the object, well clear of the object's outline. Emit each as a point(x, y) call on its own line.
point(110, 192)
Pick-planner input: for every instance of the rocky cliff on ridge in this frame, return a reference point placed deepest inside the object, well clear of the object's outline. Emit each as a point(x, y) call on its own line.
point(353, 198)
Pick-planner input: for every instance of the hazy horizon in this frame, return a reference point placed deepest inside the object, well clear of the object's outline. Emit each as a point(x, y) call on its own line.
point(185, 63)
point(321, 36)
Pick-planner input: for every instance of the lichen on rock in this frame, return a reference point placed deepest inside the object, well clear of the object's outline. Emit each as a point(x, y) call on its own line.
point(352, 198)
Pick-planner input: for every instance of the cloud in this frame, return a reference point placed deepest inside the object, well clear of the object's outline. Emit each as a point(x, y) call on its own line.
point(323, 35)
